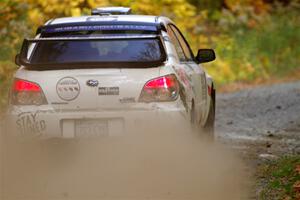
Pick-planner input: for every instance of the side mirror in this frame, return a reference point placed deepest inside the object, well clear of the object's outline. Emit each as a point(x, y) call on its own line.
point(205, 55)
point(17, 60)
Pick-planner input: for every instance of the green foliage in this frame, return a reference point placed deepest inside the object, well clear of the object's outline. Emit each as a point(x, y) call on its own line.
point(268, 49)
point(280, 177)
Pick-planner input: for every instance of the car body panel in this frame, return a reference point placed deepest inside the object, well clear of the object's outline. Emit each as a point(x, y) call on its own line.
point(119, 18)
point(129, 82)
point(111, 94)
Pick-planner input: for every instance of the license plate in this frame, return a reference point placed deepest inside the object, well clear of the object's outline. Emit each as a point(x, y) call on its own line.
point(91, 128)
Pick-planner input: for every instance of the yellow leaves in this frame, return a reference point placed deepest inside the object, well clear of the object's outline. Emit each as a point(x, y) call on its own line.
point(259, 5)
point(75, 12)
point(231, 4)
point(42, 10)
point(6, 68)
point(176, 9)
point(97, 3)
point(91, 3)
point(146, 7)
point(35, 17)
point(264, 60)
point(184, 10)
point(226, 69)
point(221, 71)
point(179, 10)
point(249, 68)
point(6, 13)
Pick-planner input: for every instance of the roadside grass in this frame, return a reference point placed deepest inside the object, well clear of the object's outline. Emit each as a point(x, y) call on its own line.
point(280, 178)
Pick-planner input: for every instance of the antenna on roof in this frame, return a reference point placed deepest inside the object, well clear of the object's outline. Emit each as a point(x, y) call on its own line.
point(111, 11)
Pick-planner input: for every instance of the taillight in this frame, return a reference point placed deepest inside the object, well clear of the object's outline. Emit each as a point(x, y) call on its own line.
point(27, 93)
point(165, 88)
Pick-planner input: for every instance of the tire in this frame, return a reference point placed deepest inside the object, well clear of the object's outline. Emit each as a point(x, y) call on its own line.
point(209, 127)
point(194, 125)
point(208, 130)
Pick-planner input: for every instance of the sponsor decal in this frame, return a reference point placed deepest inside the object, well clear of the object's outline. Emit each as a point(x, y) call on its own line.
point(28, 123)
point(100, 28)
point(127, 100)
point(183, 77)
point(92, 83)
point(68, 88)
point(108, 91)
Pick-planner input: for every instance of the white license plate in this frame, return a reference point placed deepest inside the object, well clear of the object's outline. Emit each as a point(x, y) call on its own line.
point(91, 128)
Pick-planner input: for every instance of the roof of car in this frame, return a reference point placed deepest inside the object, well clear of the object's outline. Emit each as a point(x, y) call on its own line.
point(105, 22)
point(107, 18)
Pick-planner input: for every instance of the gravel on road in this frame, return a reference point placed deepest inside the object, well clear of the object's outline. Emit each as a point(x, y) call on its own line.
point(264, 121)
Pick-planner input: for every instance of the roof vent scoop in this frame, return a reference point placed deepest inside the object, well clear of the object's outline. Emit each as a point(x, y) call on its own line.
point(111, 11)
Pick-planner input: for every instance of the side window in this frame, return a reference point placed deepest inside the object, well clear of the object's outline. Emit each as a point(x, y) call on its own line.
point(177, 45)
point(186, 49)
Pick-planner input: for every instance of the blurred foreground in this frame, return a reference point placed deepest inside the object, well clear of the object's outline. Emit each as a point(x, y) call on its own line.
point(158, 163)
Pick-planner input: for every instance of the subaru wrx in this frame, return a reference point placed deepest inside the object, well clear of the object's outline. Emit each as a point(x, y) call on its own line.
point(101, 74)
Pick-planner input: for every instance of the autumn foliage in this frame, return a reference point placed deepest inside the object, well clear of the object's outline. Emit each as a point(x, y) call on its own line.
point(254, 39)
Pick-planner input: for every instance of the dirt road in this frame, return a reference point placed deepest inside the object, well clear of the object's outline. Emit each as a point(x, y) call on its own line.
point(264, 121)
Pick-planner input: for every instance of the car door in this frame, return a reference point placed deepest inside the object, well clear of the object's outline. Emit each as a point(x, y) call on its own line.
point(195, 74)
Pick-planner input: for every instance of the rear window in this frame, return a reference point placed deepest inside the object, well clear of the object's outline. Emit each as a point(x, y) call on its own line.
point(120, 50)
point(95, 47)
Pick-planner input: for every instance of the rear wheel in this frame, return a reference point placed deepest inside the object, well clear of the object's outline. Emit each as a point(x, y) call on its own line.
point(193, 120)
point(208, 130)
point(209, 127)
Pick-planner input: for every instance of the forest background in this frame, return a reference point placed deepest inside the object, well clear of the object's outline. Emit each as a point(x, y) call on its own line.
point(255, 40)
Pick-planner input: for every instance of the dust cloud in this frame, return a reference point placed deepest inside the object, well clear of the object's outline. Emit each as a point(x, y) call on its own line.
point(154, 164)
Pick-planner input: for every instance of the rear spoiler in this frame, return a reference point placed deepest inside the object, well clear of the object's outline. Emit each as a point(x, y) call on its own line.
point(22, 58)
point(91, 25)
point(127, 37)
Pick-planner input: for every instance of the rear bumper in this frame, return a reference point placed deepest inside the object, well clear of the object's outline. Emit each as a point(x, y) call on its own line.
point(45, 123)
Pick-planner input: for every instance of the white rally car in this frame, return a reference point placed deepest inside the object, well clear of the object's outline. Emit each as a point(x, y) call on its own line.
point(103, 73)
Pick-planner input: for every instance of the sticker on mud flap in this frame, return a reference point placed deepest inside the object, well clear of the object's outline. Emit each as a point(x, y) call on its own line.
point(28, 123)
point(108, 91)
point(68, 88)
